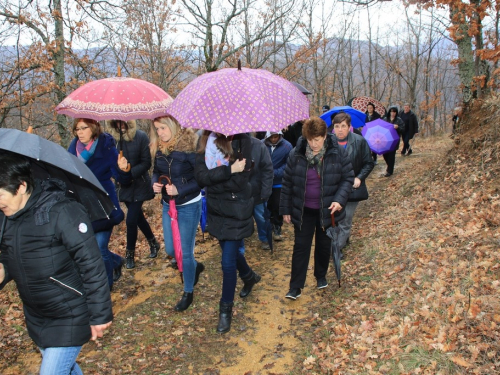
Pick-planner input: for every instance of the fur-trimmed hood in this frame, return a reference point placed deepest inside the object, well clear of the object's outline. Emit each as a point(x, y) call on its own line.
point(127, 136)
point(187, 142)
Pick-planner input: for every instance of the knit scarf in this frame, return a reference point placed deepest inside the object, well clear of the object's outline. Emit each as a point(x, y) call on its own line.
point(213, 156)
point(85, 151)
point(315, 161)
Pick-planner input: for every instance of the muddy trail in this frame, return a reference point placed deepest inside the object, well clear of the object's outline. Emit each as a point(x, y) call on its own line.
point(270, 334)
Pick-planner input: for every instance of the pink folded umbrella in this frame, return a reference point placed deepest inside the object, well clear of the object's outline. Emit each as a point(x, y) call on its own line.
point(176, 234)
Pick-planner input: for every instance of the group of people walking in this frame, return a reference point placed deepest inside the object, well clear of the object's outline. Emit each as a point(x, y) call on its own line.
point(64, 284)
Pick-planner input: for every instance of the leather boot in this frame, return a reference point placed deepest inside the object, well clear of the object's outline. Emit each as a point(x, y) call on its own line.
point(185, 302)
point(154, 246)
point(117, 272)
point(199, 269)
point(129, 256)
point(225, 316)
point(248, 282)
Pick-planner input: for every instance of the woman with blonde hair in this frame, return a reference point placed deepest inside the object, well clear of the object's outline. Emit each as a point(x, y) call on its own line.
point(173, 150)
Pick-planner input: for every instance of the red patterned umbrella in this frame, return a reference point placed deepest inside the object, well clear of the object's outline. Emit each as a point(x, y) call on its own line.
point(360, 103)
point(239, 100)
point(116, 98)
point(176, 234)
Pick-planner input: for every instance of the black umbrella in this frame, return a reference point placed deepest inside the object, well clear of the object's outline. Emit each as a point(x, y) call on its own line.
point(333, 233)
point(50, 160)
point(269, 227)
point(302, 89)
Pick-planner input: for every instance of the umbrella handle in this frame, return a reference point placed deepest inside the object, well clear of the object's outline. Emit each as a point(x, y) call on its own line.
point(333, 220)
point(128, 164)
point(169, 181)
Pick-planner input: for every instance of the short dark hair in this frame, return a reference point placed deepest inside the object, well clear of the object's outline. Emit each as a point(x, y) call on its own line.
point(93, 125)
point(370, 103)
point(313, 127)
point(14, 170)
point(341, 117)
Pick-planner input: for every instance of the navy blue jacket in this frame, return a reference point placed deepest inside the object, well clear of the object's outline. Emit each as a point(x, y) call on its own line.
point(103, 163)
point(279, 157)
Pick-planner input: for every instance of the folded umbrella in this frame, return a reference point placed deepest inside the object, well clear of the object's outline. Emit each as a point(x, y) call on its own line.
point(269, 227)
point(381, 136)
point(333, 233)
point(203, 217)
point(357, 117)
point(176, 234)
point(50, 160)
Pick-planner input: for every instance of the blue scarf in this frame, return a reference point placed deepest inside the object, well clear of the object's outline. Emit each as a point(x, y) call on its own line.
point(85, 151)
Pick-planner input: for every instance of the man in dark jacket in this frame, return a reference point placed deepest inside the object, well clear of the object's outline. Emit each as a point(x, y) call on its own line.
point(261, 179)
point(279, 149)
point(49, 249)
point(362, 164)
point(411, 128)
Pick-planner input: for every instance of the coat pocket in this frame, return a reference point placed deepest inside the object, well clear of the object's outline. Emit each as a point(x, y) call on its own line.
point(232, 207)
point(65, 286)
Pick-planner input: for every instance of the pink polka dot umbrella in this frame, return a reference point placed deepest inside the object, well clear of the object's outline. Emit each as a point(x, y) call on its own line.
point(233, 100)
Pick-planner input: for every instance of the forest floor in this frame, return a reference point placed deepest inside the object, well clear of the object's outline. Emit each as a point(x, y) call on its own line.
point(419, 294)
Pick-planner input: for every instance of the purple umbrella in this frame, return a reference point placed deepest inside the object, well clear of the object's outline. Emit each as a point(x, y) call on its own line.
point(231, 101)
point(381, 136)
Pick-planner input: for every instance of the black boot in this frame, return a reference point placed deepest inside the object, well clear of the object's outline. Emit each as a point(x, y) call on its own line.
point(225, 316)
point(129, 255)
point(249, 281)
point(117, 272)
point(277, 233)
point(199, 269)
point(185, 302)
point(154, 246)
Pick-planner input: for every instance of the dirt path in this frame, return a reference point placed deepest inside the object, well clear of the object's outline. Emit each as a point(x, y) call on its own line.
point(269, 332)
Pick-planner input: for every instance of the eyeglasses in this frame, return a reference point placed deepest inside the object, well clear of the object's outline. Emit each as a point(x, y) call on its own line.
point(82, 129)
point(340, 126)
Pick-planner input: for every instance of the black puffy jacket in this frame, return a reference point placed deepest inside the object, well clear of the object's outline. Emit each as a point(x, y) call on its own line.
point(49, 249)
point(135, 147)
point(337, 178)
point(229, 196)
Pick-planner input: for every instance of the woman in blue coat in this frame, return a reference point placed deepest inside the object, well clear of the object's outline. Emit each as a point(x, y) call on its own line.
point(97, 150)
point(173, 149)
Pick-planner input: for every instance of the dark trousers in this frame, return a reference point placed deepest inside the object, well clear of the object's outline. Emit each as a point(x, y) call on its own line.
point(232, 260)
point(406, 143)
point(273, 205)
point(311, 226)
point(135, 219)
point(374, 156)
point(390, 159)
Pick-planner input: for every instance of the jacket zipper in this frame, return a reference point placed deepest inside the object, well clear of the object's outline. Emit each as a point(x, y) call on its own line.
point(66, 286)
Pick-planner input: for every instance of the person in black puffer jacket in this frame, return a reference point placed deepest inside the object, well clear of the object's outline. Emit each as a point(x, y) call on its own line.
point(317, 182)
point(48, 247)
point(223, 166)
point(135, 146)
point(399, 125)
point(362, 163)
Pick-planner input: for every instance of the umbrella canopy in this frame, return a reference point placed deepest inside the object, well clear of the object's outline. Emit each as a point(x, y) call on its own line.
point(50, 160)
point(357, 117)
point(333, 233)
point(116, 98)
point(231, 101)
point(360, 103)
point(176, 234)
point(302, 89)
point(381, 136)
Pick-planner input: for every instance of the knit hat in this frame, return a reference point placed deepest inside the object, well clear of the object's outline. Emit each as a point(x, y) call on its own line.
point(326, 108)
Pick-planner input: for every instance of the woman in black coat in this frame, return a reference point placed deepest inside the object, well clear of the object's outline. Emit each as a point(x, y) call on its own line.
point(223, 167)
point(135, 146)
point(48, 247)
point(399, 125)
point(317, 181)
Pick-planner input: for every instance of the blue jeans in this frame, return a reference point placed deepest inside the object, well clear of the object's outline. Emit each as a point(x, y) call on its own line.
point(111, 260)
point(232, 260)
point(188, 217)
point(258, 215)
point(60, 361)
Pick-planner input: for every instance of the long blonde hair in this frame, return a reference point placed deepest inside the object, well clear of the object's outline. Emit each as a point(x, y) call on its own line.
point(154, 140)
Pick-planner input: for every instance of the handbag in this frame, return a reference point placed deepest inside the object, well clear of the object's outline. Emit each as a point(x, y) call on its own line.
point(359, 194)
